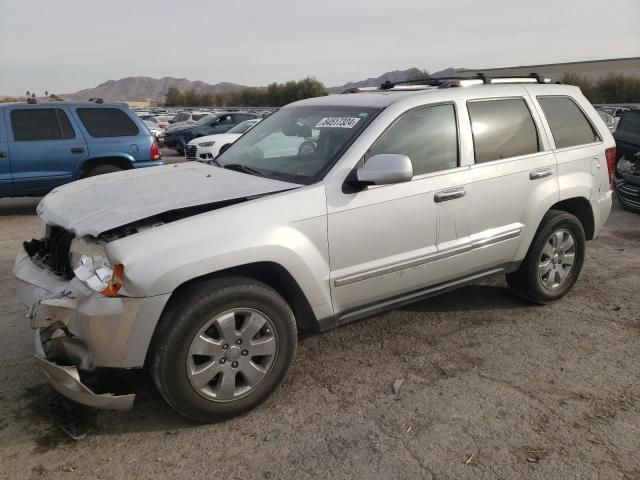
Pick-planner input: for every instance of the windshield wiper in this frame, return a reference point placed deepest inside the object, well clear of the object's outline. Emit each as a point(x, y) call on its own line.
point(238, 167)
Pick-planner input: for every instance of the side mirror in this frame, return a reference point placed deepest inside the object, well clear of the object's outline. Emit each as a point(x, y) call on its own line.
point(385, 169)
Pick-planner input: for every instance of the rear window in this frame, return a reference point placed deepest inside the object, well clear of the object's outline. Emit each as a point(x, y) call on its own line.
point(41, 124)
point(568, 124)
point(501, 129)
point(107, 122)
point(630, 122)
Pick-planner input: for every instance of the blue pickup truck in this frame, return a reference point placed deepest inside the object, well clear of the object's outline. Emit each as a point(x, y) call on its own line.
point(46, 145)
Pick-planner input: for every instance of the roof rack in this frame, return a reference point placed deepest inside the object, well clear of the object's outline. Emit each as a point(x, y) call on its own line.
point(448, 82)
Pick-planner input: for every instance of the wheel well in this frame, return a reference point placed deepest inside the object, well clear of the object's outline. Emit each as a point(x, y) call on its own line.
point(273, 275)
point(119, 162)
point(580, 208)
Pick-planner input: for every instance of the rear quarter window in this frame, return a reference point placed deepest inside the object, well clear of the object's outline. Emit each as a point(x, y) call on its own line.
point(502, 128)
point(107, 122)
point(569, 125)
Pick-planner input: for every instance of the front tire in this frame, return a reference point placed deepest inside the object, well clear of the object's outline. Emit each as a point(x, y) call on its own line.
point(554, 260)
point(223, 348)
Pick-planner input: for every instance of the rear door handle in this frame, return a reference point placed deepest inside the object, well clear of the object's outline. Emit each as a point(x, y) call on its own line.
point(77, 150)
point(450, 194)
point(542, 173)
point(3, 154)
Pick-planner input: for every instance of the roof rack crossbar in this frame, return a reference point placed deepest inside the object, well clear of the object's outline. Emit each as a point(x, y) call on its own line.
point(444, 82)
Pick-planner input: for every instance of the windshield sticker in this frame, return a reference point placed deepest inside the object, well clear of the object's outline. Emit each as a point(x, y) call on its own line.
point(338, 122)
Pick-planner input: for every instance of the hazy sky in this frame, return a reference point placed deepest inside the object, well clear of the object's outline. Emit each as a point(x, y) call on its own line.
point(65, 45)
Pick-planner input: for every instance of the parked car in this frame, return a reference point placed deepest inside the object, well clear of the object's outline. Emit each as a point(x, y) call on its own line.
point(187, 117)
point(627, 176)
point(161, 121)
point(205, 273)
point(157, 132)
point(178, 137)
point(207, 148)
point(609, 120)
point(43, 146)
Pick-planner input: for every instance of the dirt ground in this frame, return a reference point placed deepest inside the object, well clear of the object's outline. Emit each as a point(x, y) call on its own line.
point(493, 387)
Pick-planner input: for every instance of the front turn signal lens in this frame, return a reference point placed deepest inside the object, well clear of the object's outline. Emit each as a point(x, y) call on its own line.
point(115, 283)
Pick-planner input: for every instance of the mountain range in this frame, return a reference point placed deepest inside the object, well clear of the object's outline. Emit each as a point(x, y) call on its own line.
point(155, 89)
point(143, 88)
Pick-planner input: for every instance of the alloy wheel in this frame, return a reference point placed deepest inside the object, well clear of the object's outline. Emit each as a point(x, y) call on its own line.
point(557, 259)
point(232, 354)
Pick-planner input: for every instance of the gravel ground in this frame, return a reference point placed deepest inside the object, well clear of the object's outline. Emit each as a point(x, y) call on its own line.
point(492, 387)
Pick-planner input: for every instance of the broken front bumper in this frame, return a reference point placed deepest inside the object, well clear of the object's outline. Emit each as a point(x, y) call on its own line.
point(66, 381)
point(79, 331)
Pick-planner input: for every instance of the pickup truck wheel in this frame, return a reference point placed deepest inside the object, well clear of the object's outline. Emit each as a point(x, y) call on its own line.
point(223, 348)
point(101, 170)
point(554, 260)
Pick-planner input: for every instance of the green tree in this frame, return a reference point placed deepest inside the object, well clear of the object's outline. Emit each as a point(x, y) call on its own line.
point(174, 98)
point(619, 89)
point(588, 86)
point(274, 95)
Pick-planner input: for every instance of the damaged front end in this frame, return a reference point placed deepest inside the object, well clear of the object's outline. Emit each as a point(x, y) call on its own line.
point(79, 329)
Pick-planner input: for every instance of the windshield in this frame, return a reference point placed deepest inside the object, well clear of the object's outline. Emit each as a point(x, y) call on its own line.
point(205, 119)
point(298, 144)
point(243, 126)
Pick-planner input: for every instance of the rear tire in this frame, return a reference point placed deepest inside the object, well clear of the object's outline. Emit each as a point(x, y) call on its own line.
point(101, 170)
point(554, 260)
point(222, 348)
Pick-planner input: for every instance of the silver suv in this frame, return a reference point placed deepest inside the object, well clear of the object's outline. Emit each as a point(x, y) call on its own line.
point(328, 211)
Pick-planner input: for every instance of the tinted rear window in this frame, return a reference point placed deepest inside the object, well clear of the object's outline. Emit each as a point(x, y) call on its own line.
point(502, 129)
point(40, 124)
point(107, 122)
point(630, 122)
point(568, 124)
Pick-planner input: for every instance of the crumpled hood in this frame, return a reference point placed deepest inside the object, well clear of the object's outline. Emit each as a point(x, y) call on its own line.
point(98, 204)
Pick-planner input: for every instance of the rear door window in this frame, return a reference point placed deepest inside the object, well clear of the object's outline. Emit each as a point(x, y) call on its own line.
point(502, 128)
point(33, 124)
point(107, 122)
point(569, 125)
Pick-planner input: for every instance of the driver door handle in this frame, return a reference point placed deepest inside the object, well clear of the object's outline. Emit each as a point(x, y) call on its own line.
point(540, 173)
point(449, 194)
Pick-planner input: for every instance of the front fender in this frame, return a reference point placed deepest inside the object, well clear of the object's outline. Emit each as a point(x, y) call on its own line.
point(289, 229)
point(287, 247)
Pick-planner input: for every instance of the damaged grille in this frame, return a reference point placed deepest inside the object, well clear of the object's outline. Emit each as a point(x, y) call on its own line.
point(52, 252)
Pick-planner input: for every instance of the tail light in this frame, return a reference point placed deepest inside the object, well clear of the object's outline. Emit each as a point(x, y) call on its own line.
point(610, 154)
point(155, 151)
